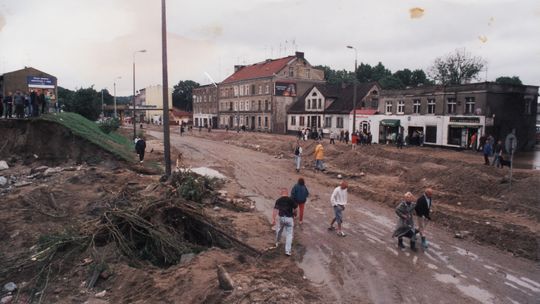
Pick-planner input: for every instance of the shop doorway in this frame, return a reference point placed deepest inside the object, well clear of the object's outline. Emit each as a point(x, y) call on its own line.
point(364, 126)
point(415, 136)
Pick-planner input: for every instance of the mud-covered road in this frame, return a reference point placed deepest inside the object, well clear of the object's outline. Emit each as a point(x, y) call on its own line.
point(366, 266)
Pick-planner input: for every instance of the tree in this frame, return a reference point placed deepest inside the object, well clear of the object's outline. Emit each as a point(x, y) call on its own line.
point(378, 72)
point(514, 80)
point(182, 97)
point(391, 82)
point(419, 77)
point(364, 73)
point(86, 102)
point(336, 76)
point(456, 68)
point(404, 76)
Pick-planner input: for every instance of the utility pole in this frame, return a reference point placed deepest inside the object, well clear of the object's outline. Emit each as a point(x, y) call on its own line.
point(102, 114)
point(166, 130)
point(114, 84)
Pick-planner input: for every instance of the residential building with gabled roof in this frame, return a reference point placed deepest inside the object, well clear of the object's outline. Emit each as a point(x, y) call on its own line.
point(257, 96)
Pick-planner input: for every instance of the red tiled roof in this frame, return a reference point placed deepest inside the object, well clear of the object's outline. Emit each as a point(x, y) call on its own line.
point(258, 70)
point(178, 113)
point(366, 111)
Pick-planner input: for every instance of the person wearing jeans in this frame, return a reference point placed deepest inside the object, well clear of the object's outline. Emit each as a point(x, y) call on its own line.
point(319, 156)
point(286, 209)
point(338, 201)
point(298, 156)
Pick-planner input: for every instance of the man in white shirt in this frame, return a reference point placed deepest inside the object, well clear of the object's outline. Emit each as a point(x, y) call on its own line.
point(339, 200)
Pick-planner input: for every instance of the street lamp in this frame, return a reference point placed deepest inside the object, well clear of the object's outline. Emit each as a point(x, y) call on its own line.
point(354, 86)
point(166, 130)
point(133, 99)
point(102, 113)
point(115, 113)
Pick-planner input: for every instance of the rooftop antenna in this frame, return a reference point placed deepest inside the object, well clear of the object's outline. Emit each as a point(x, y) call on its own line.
point(211, 79)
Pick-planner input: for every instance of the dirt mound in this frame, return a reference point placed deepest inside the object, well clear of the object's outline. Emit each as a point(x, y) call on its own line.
point(47, 141)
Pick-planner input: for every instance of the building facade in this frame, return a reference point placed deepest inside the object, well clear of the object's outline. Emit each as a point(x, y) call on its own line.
point(205, 106)
point(151, 103)
point(450, 115)
point(29, 79)
point(330, 107)
point(258, 96)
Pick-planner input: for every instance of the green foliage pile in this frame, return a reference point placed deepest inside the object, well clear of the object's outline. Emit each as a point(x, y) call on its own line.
point(113, 142)
point(192, 186)
point(109, 125)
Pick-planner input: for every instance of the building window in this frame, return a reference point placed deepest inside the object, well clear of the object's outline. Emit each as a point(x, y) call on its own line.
point(230, 106)
point(320, 104)
point(431, 106)
point(291, 71)
point(451, 105)
point(266, 105)
point(401, 107)
point(267, 90)
point(416, 106)
point(308, 73)
point(309, 104)
point(259, 121)
point(260, 89)
point(252, 89)
point(328, 122)
point(374, 103)
point(528, 106)
point(469, 105)
point(302, 121)
point(389, 107)
point(236, 105)
point(431, 134)
point(293, 120)
point(260, 105)
point(266, 122)
point(339, 122)
point(241, 106)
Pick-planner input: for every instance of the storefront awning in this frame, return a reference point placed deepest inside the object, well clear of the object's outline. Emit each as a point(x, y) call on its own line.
point(390, 122)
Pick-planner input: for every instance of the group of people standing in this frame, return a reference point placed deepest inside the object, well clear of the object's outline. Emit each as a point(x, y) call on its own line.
point(24, 105)
point(489, 148)
point(287, 205)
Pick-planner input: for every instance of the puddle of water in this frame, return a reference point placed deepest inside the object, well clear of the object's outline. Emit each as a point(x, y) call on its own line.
point(521, 283)
point(208, 172)
point(472, 291)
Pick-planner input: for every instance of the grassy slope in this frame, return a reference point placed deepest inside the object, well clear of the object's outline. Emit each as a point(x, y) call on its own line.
point(89, 130)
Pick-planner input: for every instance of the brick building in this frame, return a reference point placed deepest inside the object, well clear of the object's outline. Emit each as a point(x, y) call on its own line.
point(449, 115)
point(205, 106)
point(257, 96)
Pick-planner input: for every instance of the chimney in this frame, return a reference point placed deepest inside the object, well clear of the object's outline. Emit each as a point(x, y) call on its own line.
point(238, 68)
point(299, 55)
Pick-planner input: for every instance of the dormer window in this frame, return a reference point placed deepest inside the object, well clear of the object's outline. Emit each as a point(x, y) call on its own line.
point(309, 104)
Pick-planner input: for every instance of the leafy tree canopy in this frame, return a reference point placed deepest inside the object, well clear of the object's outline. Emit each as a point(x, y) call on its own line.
point(509, 80)
point(84, 101)
point(182, 94)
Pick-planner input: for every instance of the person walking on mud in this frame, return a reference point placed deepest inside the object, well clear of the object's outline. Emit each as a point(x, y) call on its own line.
point(297, 156)
point(319, 157)
point(300, 193)
point(140, 146)
point(286, 209)
point(423, 208)
point(338, 199)
point(405, 224)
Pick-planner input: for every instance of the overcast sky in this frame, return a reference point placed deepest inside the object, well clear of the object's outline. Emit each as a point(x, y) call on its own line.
point(91, 42)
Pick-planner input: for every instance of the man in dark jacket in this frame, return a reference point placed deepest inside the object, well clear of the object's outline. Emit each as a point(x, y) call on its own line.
point(423, 207)
point(286, 209)
point(140, 146)
point(300, 193)
point(8, 105)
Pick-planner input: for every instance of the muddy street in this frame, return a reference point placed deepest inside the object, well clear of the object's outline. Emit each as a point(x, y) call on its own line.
point(366, 266)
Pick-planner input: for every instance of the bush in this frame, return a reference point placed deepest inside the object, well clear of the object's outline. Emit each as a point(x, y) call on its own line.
point(109, 125)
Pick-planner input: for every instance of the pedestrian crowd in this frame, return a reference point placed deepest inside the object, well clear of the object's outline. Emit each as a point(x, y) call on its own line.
point(24, 105)
point(289, 209)
point(490, 149)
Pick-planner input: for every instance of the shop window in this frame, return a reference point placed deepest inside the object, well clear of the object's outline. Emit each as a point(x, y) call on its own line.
point(469, 105)
point(451, 106)
point(389, 107)
point(416, 106)
point(328, 122)
point(302, 121)
point(431, 106)
point(293, 120)
point(431, 134)
point(339, 122)
point(401, 107)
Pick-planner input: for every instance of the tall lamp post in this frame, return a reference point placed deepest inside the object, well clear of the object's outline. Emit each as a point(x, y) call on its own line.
point(354, 86)
point(115, 113)
point(133, 99)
